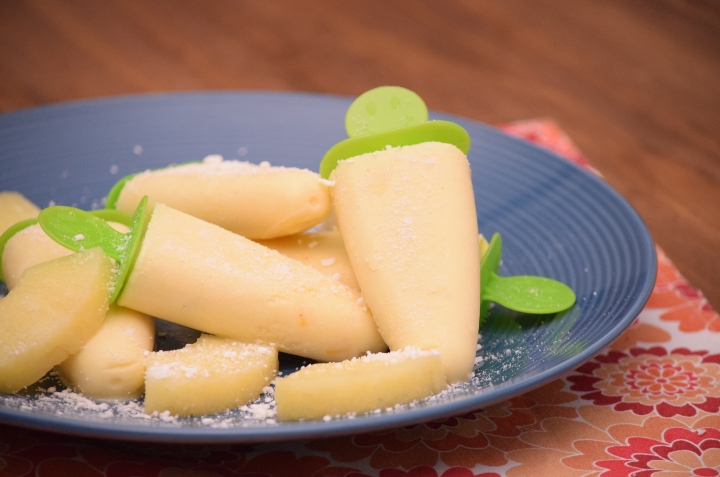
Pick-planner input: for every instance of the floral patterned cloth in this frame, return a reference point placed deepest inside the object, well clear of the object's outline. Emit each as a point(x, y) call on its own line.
point(648, 405)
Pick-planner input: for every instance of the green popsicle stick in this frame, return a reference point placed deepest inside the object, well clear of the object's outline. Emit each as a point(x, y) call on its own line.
point(79, 230)
point(383, 109)
point(390, 116)
point(523, 293)
point(109, 215)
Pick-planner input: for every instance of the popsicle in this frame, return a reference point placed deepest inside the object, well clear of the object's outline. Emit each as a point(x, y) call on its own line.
point(407, 216)
point(209, 376)
point(324, 251)
point(56, 307)
point(15, 207)
point(226, 193)
point(193, 273)
point(111, 365)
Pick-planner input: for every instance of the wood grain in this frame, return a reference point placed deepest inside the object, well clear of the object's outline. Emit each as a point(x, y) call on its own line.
point(635, 84)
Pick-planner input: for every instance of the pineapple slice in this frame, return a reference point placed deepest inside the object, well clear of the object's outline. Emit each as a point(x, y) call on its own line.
point(112, 364)
point(14, 207)
point(209, 376)
point(55, 308)
point(374, 381)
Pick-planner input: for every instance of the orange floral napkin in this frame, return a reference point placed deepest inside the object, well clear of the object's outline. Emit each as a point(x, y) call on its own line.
point(648, 405)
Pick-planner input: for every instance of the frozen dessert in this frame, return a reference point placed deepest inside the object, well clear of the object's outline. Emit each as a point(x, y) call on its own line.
point(199, 275)
point(407, 216)
point(111, 365)
point(255, 201)
point(324, 251)
point(14, 207)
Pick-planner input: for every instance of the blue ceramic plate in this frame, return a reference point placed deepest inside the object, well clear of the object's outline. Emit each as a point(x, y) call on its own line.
point(556, 220)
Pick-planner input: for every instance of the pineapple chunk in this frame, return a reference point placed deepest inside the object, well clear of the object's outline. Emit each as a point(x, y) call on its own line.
point(55, 308)
point(14, 207)
point(374, 381)
point(112, 364)
point(209, 376)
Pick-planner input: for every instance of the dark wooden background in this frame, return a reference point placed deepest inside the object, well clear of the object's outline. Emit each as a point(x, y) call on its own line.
point(636, 84)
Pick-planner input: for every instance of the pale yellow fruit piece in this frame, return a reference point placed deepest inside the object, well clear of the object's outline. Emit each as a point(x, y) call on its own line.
point(209, 376)
point(111, 365)
point(255, 201)
point(55, 308)
point(359, 385)
point(407, 216)
point(196, 274)
point(31, 246)
point(324, 251)
point(14, 207)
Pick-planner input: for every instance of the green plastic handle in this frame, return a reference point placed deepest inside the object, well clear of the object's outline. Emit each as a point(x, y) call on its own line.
point(523, 293)
point(79, 230)
point(390, 116)
point(109, 215)
point(529, 294)
point(383, 109)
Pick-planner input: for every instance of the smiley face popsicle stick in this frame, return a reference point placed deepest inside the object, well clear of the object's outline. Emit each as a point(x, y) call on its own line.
point(199, 275)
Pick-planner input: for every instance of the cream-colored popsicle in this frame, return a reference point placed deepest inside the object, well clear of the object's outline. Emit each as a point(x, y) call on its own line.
point(255, 201)
point(212, 375)
point(324, 251)
point(14, 207)
point(407, 216)
point(111, 365)
point(53, 311)
point(199, 275)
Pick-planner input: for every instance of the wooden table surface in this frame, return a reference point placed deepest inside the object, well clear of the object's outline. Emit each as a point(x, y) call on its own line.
point(635, 84)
